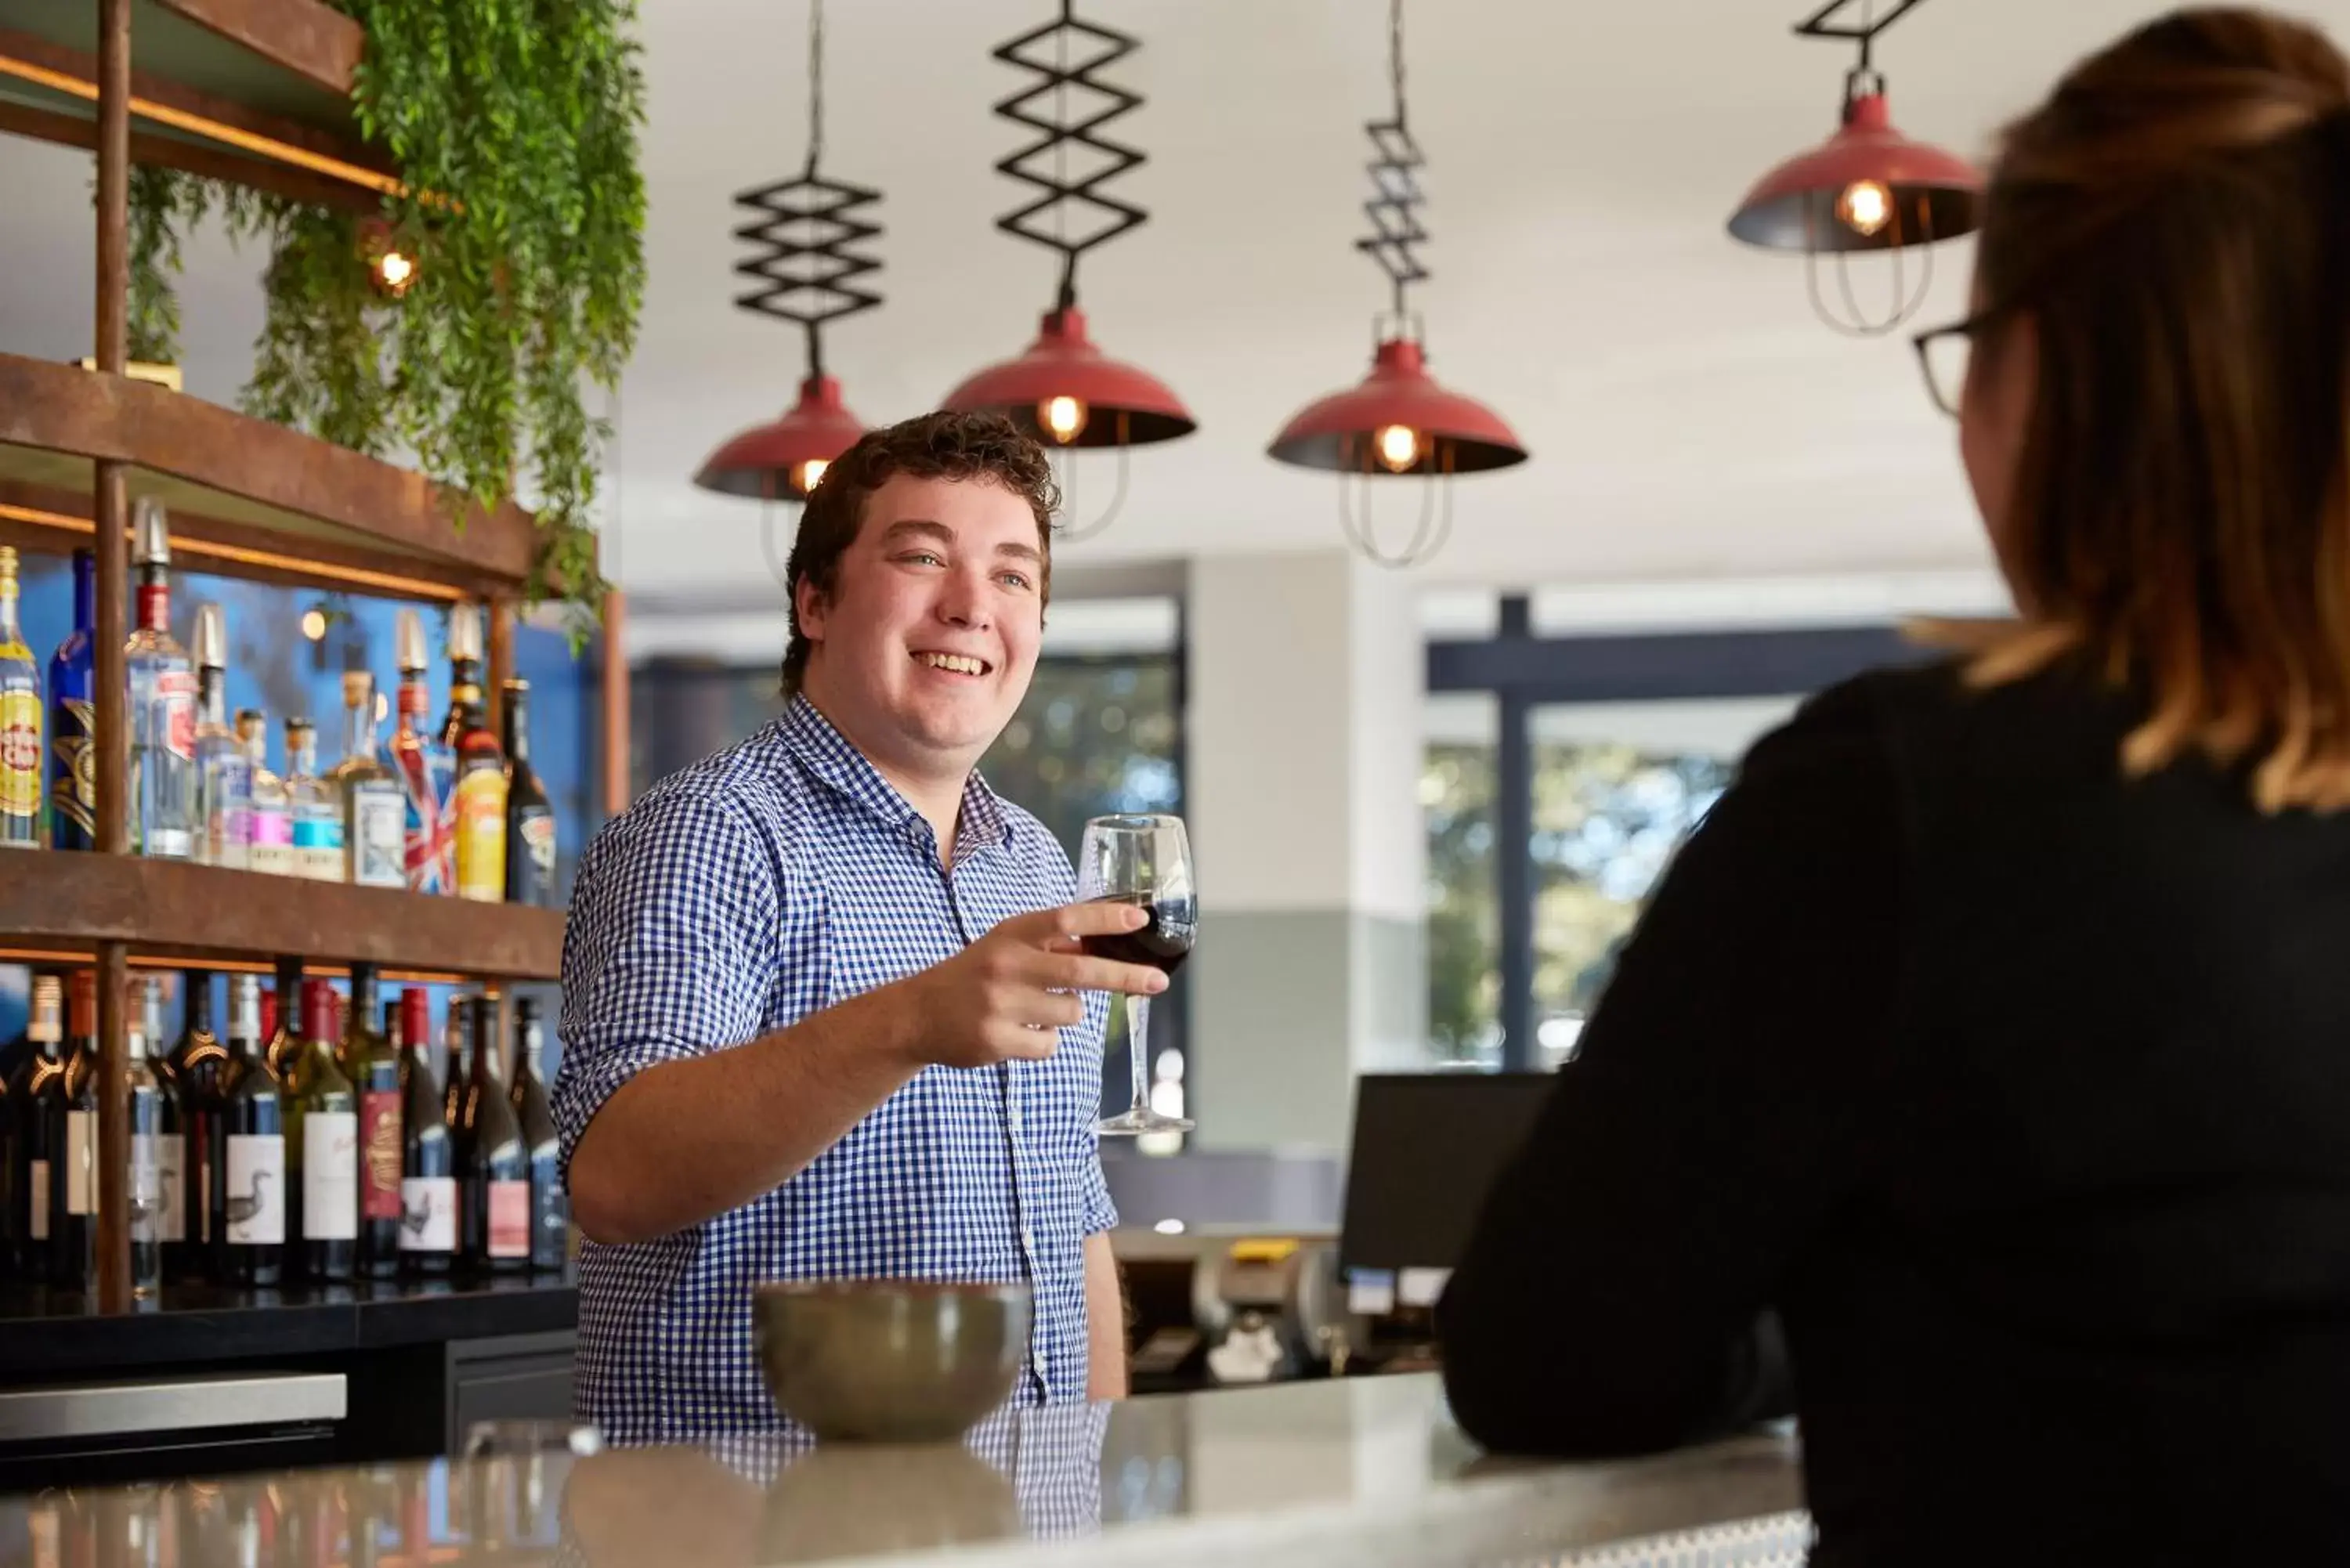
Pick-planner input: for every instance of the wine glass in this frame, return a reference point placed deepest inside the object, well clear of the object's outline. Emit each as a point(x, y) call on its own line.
point(1145, 861)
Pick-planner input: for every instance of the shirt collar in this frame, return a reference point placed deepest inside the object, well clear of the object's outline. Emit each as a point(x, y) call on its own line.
point(834, 759)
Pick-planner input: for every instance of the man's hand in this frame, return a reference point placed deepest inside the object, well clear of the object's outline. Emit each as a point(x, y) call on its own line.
point(1007, 996)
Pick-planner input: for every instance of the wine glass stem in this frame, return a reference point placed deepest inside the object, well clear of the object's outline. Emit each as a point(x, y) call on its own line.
point(1138, 1049)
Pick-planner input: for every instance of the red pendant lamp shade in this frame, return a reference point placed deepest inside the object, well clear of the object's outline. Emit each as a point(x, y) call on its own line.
point(1065, 392)
point(1398, 420)
point(783, 460)
point(1866, 188)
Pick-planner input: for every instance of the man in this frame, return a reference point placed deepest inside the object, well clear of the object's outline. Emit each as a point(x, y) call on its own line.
point(823, 1010)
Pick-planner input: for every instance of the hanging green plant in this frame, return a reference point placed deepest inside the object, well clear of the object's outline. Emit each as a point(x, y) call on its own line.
point(514, 123)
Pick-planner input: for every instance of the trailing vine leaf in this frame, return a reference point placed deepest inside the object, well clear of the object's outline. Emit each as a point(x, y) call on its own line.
point(515, 124)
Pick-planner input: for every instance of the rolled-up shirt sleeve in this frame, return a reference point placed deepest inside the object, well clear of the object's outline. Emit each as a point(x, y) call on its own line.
point(669, 952)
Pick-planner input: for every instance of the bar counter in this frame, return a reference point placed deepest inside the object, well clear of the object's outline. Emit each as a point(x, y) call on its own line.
point(1363, 1472)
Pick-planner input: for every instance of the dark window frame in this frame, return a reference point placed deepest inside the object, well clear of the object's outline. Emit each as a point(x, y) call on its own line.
point(1523, 672)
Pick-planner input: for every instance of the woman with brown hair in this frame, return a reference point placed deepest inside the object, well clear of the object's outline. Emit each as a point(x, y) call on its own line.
point(1992, 1037)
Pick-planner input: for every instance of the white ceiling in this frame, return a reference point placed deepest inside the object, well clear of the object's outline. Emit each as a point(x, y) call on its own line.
point(1688, 420)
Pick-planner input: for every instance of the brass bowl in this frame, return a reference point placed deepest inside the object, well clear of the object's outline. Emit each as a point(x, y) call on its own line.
point(890, 1361)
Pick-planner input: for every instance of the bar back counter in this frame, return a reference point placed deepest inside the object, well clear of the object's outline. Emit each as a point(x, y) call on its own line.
point(209, 1381)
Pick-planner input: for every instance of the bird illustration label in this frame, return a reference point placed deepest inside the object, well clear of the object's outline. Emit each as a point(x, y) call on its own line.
point(257, 1189)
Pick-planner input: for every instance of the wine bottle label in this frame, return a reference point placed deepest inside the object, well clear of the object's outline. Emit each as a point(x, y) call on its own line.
point(379, 1155)
point(538, 843)
point(482, 834)
point(37, 1173)
point(318, 847)
point(20, 762)
point(331, 1176)
point(81, 1162)
point(379, 837)
point(175, 712)
point(146, 1188)
point(170, 1174)
point(73, 785)
point(199, 1192)
point(509, 1219)
point(428, 1214)
point(257, 1189)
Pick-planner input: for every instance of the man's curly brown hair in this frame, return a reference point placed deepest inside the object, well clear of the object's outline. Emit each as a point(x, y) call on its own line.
point(985, 447)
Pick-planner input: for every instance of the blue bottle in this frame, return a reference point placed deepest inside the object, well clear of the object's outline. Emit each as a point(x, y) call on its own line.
point(73, 719)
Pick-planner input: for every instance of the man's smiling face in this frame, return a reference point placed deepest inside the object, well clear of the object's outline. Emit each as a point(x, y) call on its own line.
point(927, 644)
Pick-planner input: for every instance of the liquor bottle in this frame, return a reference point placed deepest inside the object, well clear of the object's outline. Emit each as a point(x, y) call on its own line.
point(493, 1169)
point(73, 719)
point(426, 772)
point(371, 1062)
point(152, 1197)
point(428, 1171)
point(272, 838)
point(317, 817)
point(20, 723)
point(322, 1141)
point(73, 1191)
point(285, 1030)
point(198, 1071)
point(530, 817)
point(36, 1090)
point(223, 771)
point(375, 813)
point(481, 825)
point(162, 710)
point(252, 1190)
point(550, 1213)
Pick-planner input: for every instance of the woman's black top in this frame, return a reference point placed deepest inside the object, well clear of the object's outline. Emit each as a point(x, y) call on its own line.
point(2017, 1092)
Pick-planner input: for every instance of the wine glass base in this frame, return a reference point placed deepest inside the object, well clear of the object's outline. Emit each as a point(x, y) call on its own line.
point(1132, 1123)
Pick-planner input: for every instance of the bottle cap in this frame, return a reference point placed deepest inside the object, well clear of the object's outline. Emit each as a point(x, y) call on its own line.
point(465, 634)
point(7, 562)
point(408, 642)
point(211, 637)
point(514, 683)
point(297, 725)
point(151, 528)
point(358, 689)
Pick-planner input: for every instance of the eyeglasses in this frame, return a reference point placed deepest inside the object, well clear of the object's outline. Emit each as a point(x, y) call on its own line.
point(1943, 353)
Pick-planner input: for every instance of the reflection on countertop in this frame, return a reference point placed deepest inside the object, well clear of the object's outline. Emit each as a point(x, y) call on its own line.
point(1367, 1470)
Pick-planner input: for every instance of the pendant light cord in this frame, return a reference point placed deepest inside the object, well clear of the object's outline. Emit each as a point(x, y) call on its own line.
point(1394, 207)
point(815, 86)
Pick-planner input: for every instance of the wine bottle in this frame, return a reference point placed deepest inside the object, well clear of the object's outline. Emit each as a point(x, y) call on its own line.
point(285, 1029)
point(428, 1171)
point(530, 817)
point(73, 1191)
point(458, 1050)
point(550, 1213)
point(252, 1186)
point(151, 1195)
point(198, 1071)
point(13, 1064)
point(493, 1169)
point(371, 1062)
point(36, 1090)
point(322, 1141)
point(73, 719)
point(20, 723)
point(480, 763)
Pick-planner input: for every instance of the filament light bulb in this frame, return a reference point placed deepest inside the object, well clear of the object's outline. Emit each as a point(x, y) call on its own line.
point(1063, 419)
point(807, 475)
point(1399, 446)
point(1865, 207)
point(314, 625)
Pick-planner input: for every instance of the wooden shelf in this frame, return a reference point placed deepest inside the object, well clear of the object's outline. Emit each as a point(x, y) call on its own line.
point(248, 498)
point(63, 902)
point(255, 91)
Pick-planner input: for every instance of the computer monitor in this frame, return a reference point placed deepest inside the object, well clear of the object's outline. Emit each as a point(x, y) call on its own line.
point(1426, 1148)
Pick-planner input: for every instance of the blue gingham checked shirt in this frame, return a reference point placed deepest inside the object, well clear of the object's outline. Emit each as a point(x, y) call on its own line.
point(775, 878)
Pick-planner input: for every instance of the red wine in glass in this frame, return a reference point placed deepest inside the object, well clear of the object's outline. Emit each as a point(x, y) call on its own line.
point(1162, 945)
point(1146, 861)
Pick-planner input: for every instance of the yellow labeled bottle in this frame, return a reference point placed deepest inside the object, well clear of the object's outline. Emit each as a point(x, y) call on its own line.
point(481, 800)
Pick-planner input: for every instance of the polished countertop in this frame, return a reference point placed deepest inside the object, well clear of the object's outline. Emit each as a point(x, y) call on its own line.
point(1364, 1471)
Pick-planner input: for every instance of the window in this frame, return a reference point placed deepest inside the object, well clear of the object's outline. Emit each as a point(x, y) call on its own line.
point(1456, 796)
